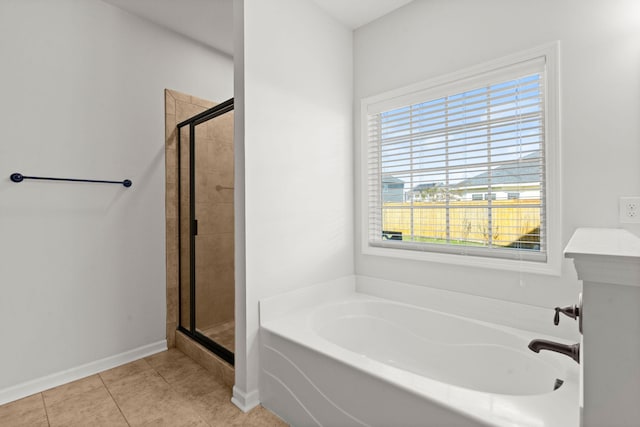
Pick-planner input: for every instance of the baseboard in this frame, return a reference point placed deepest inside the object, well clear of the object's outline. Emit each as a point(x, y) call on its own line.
point(45, 383)
point(245, 401)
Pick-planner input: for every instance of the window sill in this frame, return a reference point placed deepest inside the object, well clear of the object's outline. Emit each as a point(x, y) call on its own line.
point(549, 268)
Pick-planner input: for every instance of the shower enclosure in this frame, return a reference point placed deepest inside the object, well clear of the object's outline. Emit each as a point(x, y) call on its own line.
point(206, 234)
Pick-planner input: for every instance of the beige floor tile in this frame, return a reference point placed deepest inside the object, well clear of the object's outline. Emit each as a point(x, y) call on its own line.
point(175, 412)
point(171, 357)
point(24, 412)
point(216, 408)
point(92, 408)
point(261, 417)
point(138, 385)
point(198, 384)
point(144, 407)
point(116, 374)
point(160, 407)
point(257, 417)
point(175, 422)
point(72, 389)
point(173, 365)
point(145, 398)
point(167, 389)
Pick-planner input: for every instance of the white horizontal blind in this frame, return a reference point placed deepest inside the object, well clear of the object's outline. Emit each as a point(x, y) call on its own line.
point(465, 172)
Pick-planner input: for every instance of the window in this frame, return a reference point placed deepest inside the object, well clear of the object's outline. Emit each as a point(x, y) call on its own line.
point(476, 152)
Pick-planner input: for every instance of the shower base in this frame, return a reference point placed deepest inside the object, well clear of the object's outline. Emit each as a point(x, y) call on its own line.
point(223, 334)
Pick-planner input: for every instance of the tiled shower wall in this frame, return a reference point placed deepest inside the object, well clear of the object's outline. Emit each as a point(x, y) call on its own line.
point(214, 211)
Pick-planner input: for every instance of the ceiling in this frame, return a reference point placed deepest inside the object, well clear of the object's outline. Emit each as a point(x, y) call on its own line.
point(211, 21)
point(356, 13)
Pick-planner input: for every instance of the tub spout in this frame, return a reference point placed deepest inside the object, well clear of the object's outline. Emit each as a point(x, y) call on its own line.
point(573, 351)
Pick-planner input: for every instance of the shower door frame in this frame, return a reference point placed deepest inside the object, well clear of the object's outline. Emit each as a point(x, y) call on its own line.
point(191, 332)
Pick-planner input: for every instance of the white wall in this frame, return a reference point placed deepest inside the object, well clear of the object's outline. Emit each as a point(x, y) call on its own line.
point(600, 106)
point(82, 266)
point(296, 101)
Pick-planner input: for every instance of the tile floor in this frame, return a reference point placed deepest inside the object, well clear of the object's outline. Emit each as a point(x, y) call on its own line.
point(166, 389)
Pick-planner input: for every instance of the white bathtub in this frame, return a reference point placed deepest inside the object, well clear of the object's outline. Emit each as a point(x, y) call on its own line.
point(359, 360)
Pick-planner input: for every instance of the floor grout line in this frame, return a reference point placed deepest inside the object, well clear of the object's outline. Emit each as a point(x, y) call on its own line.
point(198, 399)
point(177, 393)
point(44, 405)
point(114, 400)
point(161, 376)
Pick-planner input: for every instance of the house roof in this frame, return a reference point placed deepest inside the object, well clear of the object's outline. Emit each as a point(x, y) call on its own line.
point(529, 169)
point(392, 180)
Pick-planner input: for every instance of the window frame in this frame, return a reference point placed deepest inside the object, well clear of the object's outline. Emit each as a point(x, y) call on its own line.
point(447, 85)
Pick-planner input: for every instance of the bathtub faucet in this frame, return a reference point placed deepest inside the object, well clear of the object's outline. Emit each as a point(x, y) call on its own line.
point(573, 351)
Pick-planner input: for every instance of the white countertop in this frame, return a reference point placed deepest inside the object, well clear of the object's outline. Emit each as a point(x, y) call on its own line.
point(610, 242)
point(605, 255)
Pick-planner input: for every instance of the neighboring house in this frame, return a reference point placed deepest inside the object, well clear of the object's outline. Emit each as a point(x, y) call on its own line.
point(430, 192)
point(508, 182)
point(520, 181)
point(392, 189)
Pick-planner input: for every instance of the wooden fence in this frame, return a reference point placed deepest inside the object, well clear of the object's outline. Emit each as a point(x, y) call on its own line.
point(511, 221)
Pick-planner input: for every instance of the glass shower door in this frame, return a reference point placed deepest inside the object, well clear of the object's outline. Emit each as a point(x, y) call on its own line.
point(207, 287)
point(214, 242)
